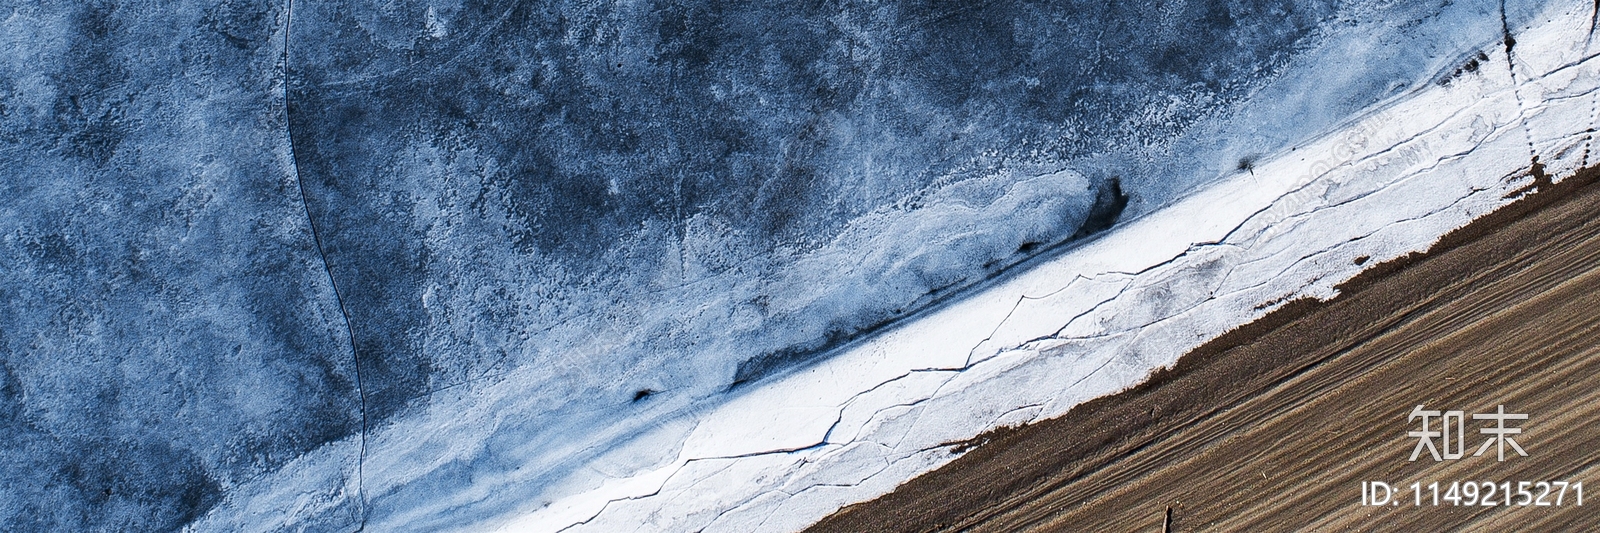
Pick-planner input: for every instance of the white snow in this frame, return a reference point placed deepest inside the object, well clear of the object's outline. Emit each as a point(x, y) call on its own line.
point(1100, 318)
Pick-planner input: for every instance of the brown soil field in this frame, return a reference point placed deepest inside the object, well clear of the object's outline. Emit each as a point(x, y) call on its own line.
point(1276, 425)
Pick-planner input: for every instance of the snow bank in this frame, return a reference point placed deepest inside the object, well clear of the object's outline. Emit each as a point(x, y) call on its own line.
point(1100, 318)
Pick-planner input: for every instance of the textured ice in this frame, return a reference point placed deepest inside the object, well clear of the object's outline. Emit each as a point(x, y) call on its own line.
point(167, 329)
point(1099, 318)
point(417, 265)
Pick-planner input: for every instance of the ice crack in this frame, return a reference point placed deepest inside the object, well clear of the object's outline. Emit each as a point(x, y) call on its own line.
point(316, 237)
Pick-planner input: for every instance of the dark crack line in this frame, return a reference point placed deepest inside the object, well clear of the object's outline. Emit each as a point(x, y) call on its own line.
point(1014, 306)
point(791, 496)
point(1130, 284)
point(1305, 216)
point(1516, 88)
point(857, 396)
point(882, 409)
point(316, 237)
point(678, 469)
point(1018, 305)
point(1570, 64)
point(1140, 329)
point(744, 504)
point(1303, 187)
point(1324, 251)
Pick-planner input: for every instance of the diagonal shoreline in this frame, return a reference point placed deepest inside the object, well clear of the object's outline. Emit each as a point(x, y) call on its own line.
point(1260, 399)
point(1098, 320)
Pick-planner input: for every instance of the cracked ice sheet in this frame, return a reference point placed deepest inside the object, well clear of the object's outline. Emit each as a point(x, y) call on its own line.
point(1098, 319)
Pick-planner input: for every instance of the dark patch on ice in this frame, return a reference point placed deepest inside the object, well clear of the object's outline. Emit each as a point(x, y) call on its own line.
point(1470, 66)
point(764, 365)
point(1110, 201)
point(1108, 205)
point(641, 394)
point(1362, 260)
point(1247, 164)
point(1541, 179)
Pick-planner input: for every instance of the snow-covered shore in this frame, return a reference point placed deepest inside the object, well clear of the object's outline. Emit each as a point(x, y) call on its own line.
point(1095, 320)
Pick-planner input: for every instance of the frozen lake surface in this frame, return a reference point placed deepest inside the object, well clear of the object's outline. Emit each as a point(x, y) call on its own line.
point(439, 264)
